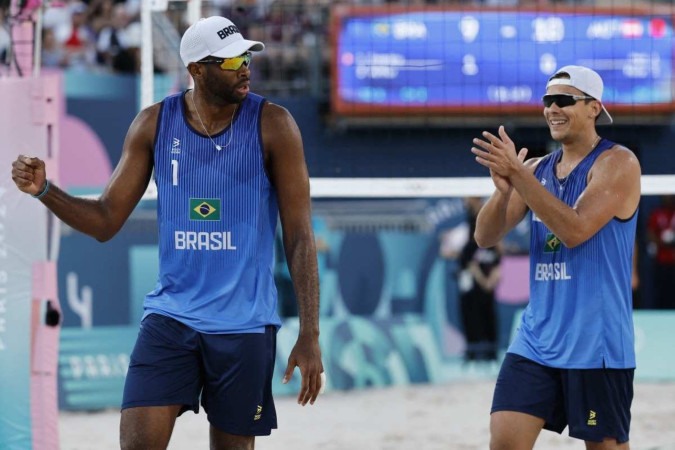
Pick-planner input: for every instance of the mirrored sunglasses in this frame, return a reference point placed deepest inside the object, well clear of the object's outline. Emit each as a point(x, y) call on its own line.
point(229, 63)
point(563, 100)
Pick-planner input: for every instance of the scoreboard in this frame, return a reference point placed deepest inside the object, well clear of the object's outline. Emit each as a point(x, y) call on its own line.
point(450, 61)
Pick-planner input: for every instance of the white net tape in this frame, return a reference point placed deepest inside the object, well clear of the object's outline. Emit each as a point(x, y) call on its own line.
point(429, 187)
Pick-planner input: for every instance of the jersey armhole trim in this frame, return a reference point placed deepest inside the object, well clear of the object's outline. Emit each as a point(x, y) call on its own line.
point(159, 125)
point(619, 219)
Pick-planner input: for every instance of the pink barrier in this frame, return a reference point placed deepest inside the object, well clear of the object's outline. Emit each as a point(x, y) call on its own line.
point(514, 284)
point(30, 116)
point(44, 358)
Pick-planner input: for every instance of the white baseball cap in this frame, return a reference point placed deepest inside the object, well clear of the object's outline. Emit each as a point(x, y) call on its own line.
point(214, 36)
point(587, 81)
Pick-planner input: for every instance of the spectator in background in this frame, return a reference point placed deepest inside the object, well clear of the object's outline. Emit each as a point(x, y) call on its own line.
point(101, 14)
point(133, 8)
point(661, 235)
point(128, 57)
point(57, 15)
point(53, 53)
point(285, 57)
point(479, 276)
point(76, 37)
point(110, 37)
point(4, 38)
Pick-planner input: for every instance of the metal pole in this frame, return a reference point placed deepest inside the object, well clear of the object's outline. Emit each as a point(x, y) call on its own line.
point(37, 41)
point(147, 65)
point(194, 11)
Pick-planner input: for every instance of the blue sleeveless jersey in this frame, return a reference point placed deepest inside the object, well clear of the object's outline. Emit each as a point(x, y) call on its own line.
point(217, 215)
point(580, 310)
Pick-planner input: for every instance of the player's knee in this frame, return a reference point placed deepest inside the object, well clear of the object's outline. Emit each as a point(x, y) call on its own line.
point(607, 444)
point(130, 441)
point(139, 430)
point(138, 441)
point(508, 444)
point(511, 431)
point(224, 446)
point(499, 443)
point(225, 441)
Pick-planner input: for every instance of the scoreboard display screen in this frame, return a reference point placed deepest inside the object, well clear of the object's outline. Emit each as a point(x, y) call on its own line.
point(387, 61)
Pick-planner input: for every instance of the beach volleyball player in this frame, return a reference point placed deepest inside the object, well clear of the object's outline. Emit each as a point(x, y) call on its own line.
point(227, 164)
point(572, 360)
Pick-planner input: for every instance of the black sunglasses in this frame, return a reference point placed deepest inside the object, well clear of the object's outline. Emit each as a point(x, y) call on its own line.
point(563, 100)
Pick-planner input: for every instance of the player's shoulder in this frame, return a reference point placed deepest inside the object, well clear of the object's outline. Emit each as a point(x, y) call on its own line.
point(274, 111)
point(617, 158)
point(532, 163)
point(145, 124)
point(276, 118)
point(617, 166)
point(150, 113)
point(618, 151)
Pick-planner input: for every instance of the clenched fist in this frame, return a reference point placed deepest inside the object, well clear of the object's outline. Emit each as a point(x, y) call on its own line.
point(29, 174)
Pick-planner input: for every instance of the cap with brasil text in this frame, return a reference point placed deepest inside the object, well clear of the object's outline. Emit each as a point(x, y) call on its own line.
point(214, 36)
point(587, 81)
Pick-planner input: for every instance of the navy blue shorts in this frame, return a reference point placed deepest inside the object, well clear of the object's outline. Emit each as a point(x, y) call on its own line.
point(595, 403)
point(172, 364)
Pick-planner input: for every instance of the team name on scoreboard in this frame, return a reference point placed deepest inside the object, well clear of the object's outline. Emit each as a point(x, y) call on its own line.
point(202, 240)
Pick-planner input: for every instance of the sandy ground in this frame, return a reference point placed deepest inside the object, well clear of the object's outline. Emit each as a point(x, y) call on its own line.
point(453, 416)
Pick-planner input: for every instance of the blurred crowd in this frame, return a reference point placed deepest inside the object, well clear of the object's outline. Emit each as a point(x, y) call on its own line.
point(105, 35)
point(100, 35)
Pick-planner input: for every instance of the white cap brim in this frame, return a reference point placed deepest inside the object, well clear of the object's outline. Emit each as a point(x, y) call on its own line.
point(238, 48)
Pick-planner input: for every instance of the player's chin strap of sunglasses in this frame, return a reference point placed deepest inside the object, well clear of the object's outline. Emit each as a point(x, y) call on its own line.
point(229, 63)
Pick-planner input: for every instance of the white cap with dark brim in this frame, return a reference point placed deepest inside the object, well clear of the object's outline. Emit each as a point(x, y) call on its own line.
point(215, 36)
point(587, 81)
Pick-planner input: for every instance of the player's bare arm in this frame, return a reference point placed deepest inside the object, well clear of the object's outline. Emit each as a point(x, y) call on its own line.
point(284, 158)
point(613, 190)
point(100, 218)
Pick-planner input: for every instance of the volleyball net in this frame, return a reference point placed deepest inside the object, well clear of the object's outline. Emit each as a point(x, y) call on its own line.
point(393, 188)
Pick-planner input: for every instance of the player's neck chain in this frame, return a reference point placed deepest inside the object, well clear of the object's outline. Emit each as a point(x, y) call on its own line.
point(229, 140)
point(563, 181)
point(595, 142)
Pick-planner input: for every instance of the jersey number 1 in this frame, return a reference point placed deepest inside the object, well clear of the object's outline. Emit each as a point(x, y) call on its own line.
point(174, 171)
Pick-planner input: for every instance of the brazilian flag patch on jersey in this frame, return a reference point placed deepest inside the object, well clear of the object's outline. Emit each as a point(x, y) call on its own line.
point(204, 209)
point(552, 244)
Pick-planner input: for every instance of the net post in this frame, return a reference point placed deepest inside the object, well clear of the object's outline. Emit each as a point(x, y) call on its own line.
point(147, 65)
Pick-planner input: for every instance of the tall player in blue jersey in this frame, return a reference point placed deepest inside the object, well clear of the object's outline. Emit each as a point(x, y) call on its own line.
point(227, 164)
point(572, 360)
